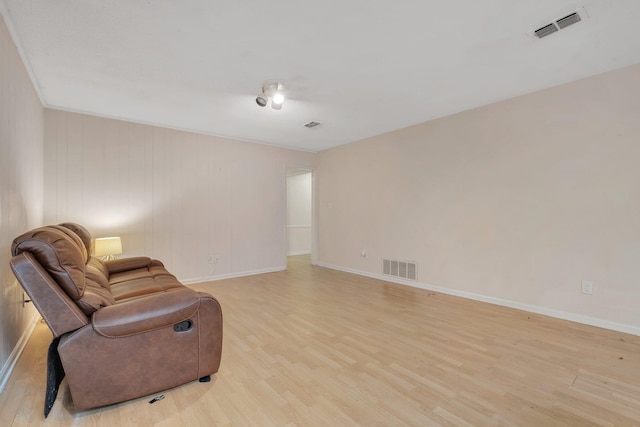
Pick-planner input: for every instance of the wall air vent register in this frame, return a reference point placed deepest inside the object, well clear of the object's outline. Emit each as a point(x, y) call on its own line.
point(401, 269)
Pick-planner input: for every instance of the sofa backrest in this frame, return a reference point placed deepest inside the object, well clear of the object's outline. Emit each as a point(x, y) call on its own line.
point(49, 264)
point(82, 233)
point(60, 312)
point(62, 254)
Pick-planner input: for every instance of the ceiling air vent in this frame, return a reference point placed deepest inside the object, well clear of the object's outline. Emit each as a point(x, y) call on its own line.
point(568, 20)
point(561, 23)
point(546, 30)
point(311, 124)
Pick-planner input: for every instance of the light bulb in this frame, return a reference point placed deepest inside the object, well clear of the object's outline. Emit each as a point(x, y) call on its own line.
point(278, 98)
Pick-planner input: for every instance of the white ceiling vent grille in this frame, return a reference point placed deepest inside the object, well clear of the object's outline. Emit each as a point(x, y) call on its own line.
point(559, 24)
point(546, 30)
point(568, 20)
point(402, 269)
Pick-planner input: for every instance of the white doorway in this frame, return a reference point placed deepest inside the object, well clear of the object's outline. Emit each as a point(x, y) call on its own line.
point(299, 212)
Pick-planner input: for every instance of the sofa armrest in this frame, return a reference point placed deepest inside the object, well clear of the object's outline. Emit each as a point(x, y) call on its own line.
point(119, 265)
point(146, 313)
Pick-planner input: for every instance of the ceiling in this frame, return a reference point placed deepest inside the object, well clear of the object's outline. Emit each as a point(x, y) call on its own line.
point(360, 68)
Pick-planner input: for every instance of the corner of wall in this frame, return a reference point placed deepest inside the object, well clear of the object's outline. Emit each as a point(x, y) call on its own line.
point(21, 187)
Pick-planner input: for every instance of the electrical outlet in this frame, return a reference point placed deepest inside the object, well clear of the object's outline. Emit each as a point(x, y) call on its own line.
point(587, 287)
point(216, 259)
point(211, 260)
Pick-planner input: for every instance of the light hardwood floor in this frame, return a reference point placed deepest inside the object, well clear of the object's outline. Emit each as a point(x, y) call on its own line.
point(317, 347)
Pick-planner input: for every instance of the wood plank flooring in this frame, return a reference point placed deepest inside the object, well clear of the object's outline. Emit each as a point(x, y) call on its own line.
point(317, 347)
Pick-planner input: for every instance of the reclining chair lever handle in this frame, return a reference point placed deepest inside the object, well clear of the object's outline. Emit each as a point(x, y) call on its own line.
point(183, 326)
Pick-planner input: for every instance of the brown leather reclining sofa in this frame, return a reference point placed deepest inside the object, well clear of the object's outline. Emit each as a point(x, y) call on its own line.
point(123, 328)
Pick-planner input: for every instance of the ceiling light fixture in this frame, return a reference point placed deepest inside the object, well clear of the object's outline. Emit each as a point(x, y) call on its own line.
point(273, 90)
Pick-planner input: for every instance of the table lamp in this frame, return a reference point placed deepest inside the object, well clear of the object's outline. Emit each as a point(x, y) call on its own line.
point(107, 247)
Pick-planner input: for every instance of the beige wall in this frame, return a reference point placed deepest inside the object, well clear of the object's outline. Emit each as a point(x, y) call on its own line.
point(21, 183)
point(176, 196)
point(516, 202)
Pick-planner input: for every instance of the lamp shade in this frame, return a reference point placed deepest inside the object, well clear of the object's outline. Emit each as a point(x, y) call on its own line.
point(106, 246)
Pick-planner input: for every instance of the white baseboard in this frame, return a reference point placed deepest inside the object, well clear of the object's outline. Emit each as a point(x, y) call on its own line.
point(298, 253)
point(573, 317)
point(230, 275)
point(8, 367)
